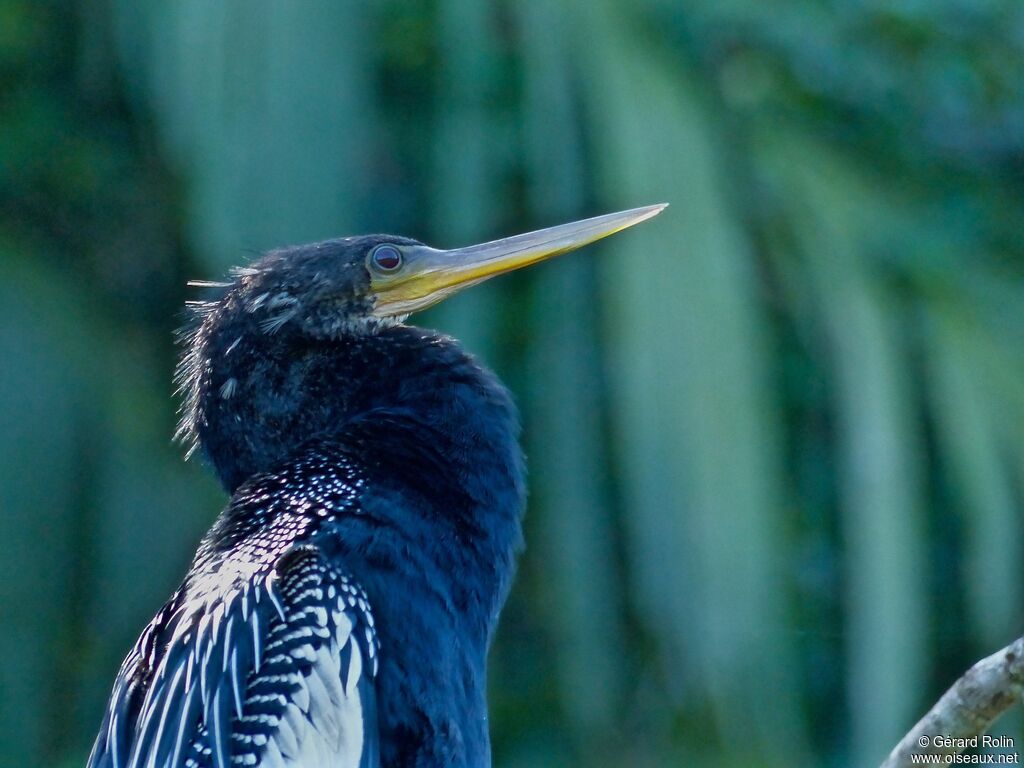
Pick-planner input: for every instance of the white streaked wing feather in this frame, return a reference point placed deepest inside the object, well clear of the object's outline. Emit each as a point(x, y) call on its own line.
point(209, 698)
point(332, 732)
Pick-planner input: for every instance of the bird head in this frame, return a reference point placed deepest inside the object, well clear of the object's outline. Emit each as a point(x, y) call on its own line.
point(249, 352)
point(359, 283)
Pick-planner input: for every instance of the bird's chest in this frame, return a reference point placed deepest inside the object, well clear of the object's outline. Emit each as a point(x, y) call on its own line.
point(439, 723)
point(431, 687)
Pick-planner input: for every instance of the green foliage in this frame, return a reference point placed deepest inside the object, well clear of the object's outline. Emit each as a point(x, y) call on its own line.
point(774, 434)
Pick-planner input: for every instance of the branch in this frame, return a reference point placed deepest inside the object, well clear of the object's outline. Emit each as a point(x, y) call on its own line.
point(967, 709)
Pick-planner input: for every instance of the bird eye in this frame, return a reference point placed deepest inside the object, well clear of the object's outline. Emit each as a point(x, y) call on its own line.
point(386, 258)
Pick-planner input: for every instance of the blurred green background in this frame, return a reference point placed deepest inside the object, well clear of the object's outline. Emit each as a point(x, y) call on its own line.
point(775, 435)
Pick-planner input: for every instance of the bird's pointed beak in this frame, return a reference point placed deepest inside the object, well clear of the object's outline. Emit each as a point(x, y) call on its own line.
point(427, 275)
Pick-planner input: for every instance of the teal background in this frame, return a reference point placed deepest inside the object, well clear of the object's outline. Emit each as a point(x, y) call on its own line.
point(774, 434)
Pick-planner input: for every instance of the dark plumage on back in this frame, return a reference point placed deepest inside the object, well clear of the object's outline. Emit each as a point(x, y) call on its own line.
point(340, 609)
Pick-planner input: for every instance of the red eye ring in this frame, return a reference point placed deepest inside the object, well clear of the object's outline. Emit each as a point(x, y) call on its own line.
point(386, 258)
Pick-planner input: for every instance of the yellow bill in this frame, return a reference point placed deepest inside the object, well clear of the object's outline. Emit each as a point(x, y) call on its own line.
point(406, 279)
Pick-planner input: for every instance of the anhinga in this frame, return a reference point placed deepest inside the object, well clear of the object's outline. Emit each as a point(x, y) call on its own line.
point(339, 611)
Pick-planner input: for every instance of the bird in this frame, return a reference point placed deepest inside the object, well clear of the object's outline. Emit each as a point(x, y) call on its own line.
point(340, 609)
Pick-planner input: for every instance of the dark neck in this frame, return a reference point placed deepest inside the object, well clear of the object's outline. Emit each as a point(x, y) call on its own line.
point(263, 395)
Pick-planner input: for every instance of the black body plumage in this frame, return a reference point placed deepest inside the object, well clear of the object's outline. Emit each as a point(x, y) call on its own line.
point(340, 610)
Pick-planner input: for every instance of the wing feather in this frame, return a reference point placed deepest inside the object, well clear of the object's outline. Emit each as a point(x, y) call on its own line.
point(269, 673)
